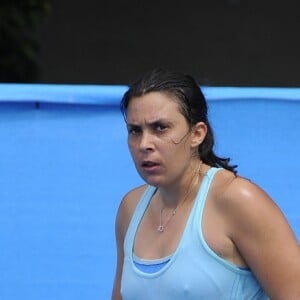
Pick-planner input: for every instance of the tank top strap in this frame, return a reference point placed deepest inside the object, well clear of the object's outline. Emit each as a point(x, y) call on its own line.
point(202, 193)
point(137, 216)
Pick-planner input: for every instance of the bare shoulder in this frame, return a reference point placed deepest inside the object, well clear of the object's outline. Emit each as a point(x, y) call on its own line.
point(132, 197)
point(261, 233)
point(236, 193)
point(127, 207)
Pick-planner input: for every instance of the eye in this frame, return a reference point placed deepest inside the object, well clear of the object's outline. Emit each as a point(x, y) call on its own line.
point(133, 130)
point(160, 127)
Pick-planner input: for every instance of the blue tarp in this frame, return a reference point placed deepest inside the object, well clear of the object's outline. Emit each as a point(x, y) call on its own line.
point(111, 94)
point(64, 167)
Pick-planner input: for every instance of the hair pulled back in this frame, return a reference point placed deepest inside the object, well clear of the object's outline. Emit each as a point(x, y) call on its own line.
point(192, 104)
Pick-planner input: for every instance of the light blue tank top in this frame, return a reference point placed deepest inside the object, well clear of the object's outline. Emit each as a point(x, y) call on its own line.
point(194, 271)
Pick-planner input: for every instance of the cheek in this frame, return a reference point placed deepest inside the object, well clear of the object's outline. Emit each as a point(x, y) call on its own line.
point(131, 147)
point(179, 154)
point(174, 153)
point(134, 150)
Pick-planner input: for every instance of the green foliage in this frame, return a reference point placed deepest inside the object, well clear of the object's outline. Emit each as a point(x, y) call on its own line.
point(19, 20)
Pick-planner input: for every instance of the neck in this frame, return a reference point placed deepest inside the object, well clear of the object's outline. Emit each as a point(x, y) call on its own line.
point(172, 197)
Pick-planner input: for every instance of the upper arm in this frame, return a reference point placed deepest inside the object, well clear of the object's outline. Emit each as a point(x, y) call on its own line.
point(123, 218)
point(119, 234)
point(264, 238)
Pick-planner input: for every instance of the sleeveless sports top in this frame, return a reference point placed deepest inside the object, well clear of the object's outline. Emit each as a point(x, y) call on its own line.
point(194, 271)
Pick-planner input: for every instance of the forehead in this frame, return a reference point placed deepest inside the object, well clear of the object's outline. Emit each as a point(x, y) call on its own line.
point(152, 106)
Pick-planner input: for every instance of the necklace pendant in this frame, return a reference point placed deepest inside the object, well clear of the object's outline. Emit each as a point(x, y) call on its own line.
point(160, 228)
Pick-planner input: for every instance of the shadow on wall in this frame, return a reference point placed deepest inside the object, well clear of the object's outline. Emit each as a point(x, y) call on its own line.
point(227, 42)
point(19, 45)
point(219, 42)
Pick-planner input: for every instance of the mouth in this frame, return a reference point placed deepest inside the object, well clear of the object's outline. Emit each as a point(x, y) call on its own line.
point(150, 165)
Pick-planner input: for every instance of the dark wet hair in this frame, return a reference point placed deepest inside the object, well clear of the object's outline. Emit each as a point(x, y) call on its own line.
point(192, 103)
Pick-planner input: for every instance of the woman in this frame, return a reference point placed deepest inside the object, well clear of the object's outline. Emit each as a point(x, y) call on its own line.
point(195, 230)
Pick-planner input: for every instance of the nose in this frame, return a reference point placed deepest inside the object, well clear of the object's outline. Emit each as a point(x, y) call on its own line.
point(146, 142)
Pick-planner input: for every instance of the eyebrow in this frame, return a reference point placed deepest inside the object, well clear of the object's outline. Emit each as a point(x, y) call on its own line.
point(161, 120)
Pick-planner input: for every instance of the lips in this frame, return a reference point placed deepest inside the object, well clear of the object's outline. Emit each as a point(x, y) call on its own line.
point(150, 166)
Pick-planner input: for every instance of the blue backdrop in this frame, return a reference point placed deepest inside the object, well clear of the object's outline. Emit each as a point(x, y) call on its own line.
point(64, 167)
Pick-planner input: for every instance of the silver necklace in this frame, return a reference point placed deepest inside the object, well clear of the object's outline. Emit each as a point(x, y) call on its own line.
point(162, 225)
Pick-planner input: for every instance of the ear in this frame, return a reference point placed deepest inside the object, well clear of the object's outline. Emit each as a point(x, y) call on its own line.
point(199, 131)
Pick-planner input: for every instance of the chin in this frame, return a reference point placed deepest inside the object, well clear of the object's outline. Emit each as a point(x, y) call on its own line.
point(152, 180)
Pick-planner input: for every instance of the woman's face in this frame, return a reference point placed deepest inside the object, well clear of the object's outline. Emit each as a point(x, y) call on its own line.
point(159, 139)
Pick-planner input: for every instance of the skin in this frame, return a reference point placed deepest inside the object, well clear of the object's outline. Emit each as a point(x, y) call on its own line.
point(241, 223)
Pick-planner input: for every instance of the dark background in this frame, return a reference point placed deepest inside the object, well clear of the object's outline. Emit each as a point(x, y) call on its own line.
point(220, 42)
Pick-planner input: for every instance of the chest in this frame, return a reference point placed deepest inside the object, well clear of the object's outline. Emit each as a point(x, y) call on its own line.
point(150, 242)
point(192, 273)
